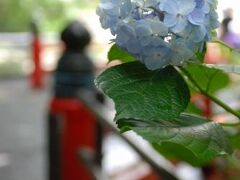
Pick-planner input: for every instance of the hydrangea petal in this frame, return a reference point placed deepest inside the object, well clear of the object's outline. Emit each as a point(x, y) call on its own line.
point(158, 27)
point(170, 7)
point(199, 3)
point(170, 20)
point(154, 62)
point(150, 3)
point(197, 17)
point(125, 8)
point(180, 53)
point(199, 34)
point(181, 25)
point(186, 6)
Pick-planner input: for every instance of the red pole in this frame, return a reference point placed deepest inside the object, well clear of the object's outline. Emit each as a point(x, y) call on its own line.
point(208, 107)
point(37, 74)
point(78, 130)
point(204, 104)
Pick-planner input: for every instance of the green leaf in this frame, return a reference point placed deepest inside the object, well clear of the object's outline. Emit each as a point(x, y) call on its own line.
point(228, 68)
point(173, 151)
point(116, 53)
point(151, 104)
point(143, 94)
point(196, 140)
point(201, 54)
point(235, 140)
point(193, 109)
point(208, 78)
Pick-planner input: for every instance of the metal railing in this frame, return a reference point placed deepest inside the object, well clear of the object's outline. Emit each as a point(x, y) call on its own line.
point(160, 165)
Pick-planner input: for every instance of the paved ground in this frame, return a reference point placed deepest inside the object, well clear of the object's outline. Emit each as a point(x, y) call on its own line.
point(22, 131)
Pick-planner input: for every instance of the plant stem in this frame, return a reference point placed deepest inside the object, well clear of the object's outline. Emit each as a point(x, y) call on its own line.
point(224, 44)
point(213, 98)
point(230, 124)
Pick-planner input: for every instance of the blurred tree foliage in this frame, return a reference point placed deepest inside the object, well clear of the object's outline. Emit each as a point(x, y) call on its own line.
point(16, 15)
point(86, 3)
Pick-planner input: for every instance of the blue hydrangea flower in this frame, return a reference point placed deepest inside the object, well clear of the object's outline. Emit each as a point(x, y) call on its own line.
point(160, 32)
point(113, 11)
point(183, 52)
point(176, 13)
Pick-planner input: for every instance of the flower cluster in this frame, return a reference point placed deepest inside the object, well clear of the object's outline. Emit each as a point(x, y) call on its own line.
point(160, 32)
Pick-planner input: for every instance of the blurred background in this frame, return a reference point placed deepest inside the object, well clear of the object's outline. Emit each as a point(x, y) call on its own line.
point(51, 17)
point(30, 47)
